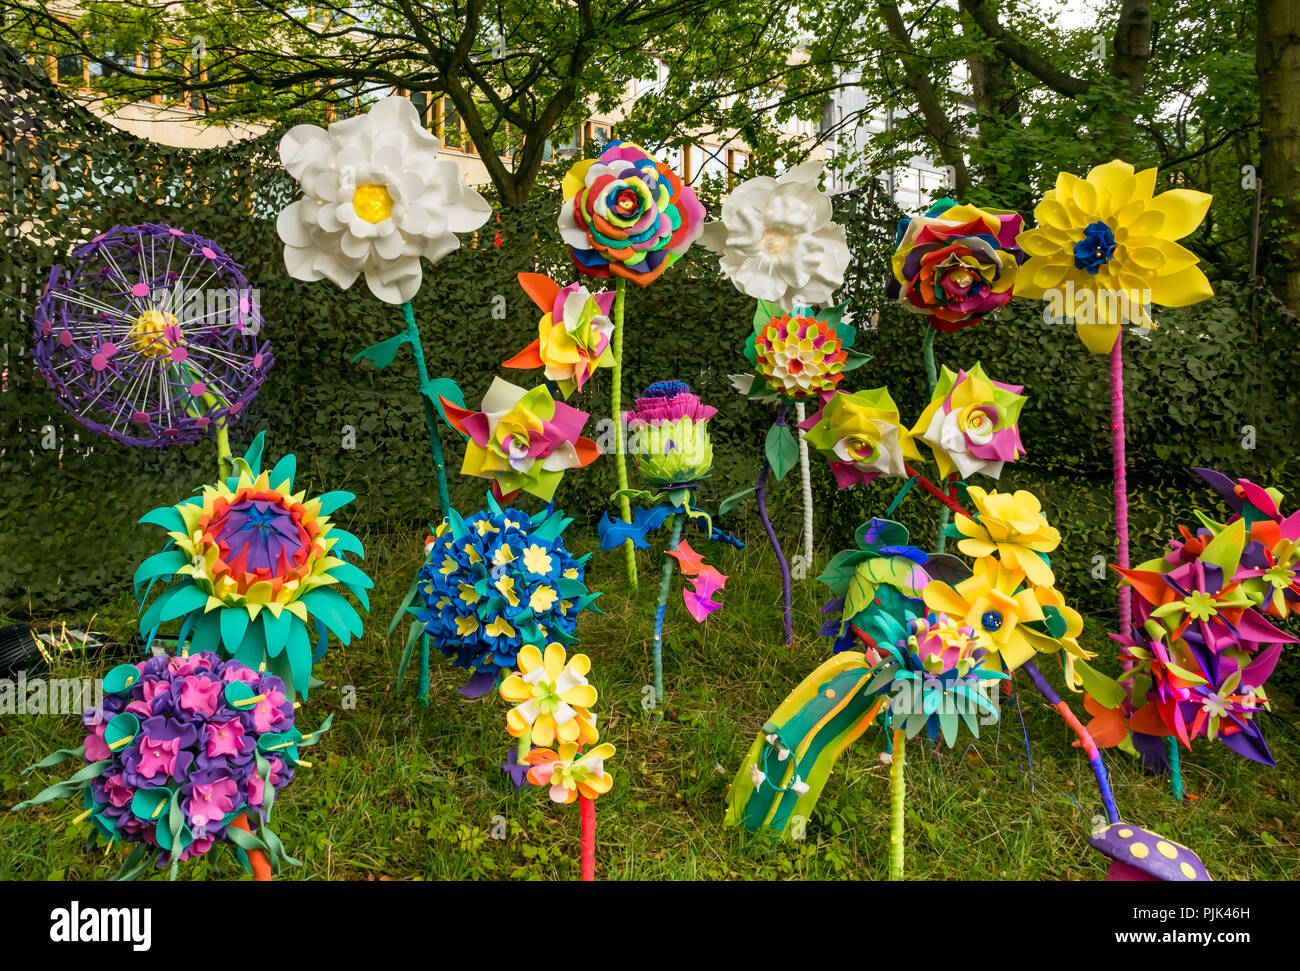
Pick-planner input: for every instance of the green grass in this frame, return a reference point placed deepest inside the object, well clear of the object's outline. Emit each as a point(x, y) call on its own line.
point(403, 792)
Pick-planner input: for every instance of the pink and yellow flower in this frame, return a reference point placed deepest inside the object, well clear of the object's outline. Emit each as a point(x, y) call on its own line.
point(573, 336)
point(570, 775)
point(552, 698)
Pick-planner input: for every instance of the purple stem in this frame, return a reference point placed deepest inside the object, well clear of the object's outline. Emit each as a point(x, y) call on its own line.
point(760, 493)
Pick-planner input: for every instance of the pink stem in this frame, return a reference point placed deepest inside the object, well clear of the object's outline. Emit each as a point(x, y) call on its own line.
point(588, 838)
point(1121, 482)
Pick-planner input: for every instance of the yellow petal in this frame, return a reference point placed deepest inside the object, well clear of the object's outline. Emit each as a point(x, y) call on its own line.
point(1183, 211)
point(1181, 289)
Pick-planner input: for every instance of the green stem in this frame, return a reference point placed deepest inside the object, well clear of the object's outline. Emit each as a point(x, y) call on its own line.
point(430, 412)
point(661, 606)
point(896, 793)
point(932, 375)
point(616, 397)
point(225, 464)
point(424, 671)
point(1175, 768)
point(525, 746)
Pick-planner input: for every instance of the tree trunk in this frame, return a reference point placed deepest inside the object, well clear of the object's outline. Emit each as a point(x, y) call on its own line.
point(1277, 68)
point(1133, 44)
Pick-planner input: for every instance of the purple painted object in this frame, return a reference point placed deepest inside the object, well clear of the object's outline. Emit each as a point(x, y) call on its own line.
point(150, 336)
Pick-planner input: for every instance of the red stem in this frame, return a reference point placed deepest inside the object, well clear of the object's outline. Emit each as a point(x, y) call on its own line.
point(588, 838)
point(938, 493)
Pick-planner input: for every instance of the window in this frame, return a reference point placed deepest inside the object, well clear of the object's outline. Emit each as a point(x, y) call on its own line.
point(69, 70)
point(598, 134)
point(449, 126)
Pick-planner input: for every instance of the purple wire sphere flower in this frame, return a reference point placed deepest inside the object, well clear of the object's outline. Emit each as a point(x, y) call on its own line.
point(151, 336)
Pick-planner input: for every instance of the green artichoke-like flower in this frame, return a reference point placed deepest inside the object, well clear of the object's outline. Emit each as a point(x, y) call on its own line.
point(668, 435)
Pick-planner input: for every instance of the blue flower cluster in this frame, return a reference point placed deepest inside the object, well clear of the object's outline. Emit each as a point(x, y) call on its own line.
point(497, 581)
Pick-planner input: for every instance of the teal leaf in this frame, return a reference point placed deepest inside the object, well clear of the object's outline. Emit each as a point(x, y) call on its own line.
point(330, 501)
point(448, 389)
point(381, 355)
point(254, 454)
point(234, 621)
point(168, 517)
point(158, 565)
point(276, 630)
point(286, 468)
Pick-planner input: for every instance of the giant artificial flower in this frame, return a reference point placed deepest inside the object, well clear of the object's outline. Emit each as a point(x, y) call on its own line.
point(552, 699)
point(1104, 250)
point(955, 264)
point(1010, 525)
point(626, 214)
point(860, 436)
point(1009, 618)
point(570, 775)
point(800, 354)
point(174, 775)
point(573, 335)
point(668, 436)
point(522, 439)
point(876, 587)
point(972, 423)
point(1201, 598)
point(497, 581)
point(776, 239)
point(934, 679)
point(376, 198)
point(257, 566)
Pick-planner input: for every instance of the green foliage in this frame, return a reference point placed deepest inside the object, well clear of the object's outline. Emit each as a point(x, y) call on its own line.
point(72, 539)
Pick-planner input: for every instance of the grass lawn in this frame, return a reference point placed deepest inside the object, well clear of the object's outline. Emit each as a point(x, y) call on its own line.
point(403, 792)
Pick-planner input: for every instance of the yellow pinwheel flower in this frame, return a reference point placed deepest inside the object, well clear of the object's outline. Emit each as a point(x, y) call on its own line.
point(1104, 250)
point(1012, 526)
point(570, 775)
point(993, 602)
point(552, 699)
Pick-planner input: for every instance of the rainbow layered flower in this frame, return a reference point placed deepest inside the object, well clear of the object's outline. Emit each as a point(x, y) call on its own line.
point(573, 336)
point(860, 436)
point(570, 775)
point(552, 699)
point(668, 436)
point(178, 750)
point(1104, 251)
point(522, 440)
point(1011, 526)
point(800, 354)
point(972, 423)
point(956, 263)
point(258, 568)
point(1014, 622)
point(626, 214)
point(497, 581)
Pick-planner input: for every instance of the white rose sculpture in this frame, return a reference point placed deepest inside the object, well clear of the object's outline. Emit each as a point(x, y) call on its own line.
point(777, 242)
point(376, 198)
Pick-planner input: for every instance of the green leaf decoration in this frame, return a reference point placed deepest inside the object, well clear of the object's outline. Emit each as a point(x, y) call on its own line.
point(381, 355)
point(781, 449)
point(733, 500)
point(448, 389)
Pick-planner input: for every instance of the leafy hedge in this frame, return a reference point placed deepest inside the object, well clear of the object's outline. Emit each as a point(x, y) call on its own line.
point(69, 512)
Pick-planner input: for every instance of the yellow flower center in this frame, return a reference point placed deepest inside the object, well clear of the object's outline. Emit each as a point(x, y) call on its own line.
point(775, 241)
point(154, 334)
point(372, 202)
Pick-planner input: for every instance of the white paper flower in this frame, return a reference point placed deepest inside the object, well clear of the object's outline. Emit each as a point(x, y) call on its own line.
point(777, 241)
point(376, 198)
